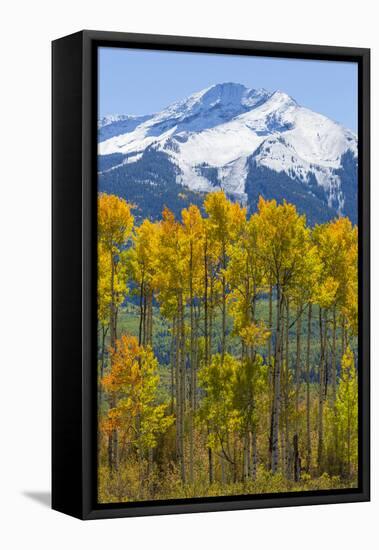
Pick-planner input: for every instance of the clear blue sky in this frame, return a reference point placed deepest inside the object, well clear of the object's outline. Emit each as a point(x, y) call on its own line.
point(146, 81)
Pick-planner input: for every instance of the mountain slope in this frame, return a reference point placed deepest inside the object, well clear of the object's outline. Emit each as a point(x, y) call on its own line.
point(245, 141)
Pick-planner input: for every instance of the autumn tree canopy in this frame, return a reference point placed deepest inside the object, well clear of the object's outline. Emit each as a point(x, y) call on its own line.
point(227, 351)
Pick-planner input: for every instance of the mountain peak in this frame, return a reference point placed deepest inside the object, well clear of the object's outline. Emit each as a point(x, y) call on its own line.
point(227, 86)
point(230, 93)
point(281, 98)
point(226, 89)
point(214, 105)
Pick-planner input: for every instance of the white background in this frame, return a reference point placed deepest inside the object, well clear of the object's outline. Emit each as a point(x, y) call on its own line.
point(26, 31)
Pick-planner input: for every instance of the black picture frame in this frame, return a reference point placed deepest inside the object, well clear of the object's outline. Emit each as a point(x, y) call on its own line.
point(74, 152)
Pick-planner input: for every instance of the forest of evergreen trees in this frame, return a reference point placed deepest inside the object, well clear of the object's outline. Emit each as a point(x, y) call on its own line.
point(260, 392)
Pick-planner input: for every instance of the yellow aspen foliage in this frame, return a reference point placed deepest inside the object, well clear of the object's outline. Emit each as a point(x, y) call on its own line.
point(115, 223)
point(282, 239)
point(193, 241)
point(255, 334)
point(342, 420)
point(347, 409)
point(170, 280)
point(225, 217)
point(337, 245)
point(134, 379)
point(143, 256)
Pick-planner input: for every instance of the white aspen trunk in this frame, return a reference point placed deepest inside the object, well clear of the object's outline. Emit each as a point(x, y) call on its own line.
point(276, 384)
point(254, 455)
point(320, 450)
point(178, 390)
point(113, 436)
point(309, 448)
point(334, 362)
point(286, 397)
point(246, 444)
point(193, 367)
point(182, 388)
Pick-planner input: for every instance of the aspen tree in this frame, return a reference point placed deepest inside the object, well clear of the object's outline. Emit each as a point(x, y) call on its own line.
point(282, 237)
point(225, 220)
point(115, 223)
point(170, 283)
point(193, 236)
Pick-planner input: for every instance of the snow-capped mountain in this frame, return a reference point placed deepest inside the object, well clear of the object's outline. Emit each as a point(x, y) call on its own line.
point(248, 142)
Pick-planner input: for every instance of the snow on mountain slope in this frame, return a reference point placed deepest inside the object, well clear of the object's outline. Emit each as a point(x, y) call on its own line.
point(115, 125)
point(213, 136)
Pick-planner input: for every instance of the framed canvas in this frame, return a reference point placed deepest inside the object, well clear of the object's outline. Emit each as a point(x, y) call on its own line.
point(210, 275)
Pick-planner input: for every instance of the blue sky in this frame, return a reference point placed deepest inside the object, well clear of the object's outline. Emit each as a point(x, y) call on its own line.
point(146, 81)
